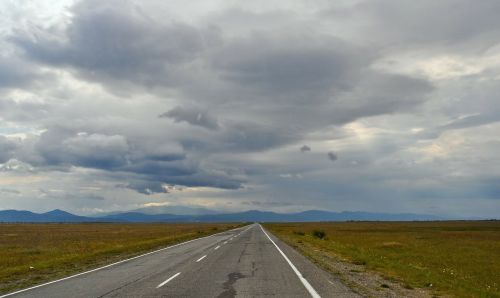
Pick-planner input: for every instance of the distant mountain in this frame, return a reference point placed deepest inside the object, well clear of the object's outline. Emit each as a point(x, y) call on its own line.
point(51, 216)
point(62, 216)
point(247, 216)
point(17, 215)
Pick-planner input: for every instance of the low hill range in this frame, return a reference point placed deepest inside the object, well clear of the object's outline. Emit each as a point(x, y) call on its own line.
point(246, 216)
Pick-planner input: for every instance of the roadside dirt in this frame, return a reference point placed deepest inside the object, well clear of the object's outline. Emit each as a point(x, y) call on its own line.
point(365, 282)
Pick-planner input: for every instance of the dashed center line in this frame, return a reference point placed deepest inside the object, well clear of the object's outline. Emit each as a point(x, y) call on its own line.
point(217, 247)
point(201, 258)
point(165, 282)
point(225, 242)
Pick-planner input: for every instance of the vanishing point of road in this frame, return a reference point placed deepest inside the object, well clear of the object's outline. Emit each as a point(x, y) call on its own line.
point(244, 262)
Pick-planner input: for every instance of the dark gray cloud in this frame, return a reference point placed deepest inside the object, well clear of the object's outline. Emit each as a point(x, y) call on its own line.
point(290, 67)
point(146, 187)
point(239, 137)
point(16, 73)
point(378, 94)
point(95, 150)
point(61, 148)
point(193, 117)
point(254, 137)
point(299, 83)
point(7, 148)
point(305, 148)
point(444, 23)
point(282, 71)
point(149, 184)
point(332, 156)
point(114, 41)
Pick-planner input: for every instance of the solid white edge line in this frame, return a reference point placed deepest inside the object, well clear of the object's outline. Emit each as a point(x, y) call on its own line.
point(109, 265)
point(304, 281)
point(169, 279)
point(201, 258)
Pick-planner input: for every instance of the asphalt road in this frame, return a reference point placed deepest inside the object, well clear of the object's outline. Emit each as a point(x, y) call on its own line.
point(245, 262)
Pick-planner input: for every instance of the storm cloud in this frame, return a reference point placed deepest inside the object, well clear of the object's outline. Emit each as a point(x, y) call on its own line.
point(7, 148)
point(117, 101)
point(112, 41)
point(192, 116)
point(332, 156)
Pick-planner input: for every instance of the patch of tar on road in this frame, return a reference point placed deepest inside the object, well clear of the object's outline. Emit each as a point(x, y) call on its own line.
point(229, 290)
point(243, 252)
point(253, 269)
point(112, 294)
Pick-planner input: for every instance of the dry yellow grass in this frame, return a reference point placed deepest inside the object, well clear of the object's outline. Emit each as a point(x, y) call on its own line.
point(461, 258)
point(34, 253)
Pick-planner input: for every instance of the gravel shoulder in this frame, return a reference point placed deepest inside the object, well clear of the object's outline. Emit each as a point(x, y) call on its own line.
point(365, 282)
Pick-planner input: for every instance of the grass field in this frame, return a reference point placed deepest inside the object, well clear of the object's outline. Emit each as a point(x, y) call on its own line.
point(459, 259)
point(34, 253)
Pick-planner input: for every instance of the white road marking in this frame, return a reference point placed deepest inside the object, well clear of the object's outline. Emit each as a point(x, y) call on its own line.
point(225, 242)
point(304, 281)
point(216, 248)
point(107, 266)
point(169, 279)
point(201, 258)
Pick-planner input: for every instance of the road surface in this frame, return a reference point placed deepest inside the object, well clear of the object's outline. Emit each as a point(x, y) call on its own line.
point(244, 262)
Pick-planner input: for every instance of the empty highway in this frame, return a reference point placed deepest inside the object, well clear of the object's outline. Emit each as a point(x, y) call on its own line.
point(244, 262)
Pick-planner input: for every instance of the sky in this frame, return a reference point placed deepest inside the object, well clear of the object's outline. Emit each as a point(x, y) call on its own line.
point(376, 105)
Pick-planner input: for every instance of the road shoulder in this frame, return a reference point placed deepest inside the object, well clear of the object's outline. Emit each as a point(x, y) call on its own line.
point(324, 282)
point(355, 277)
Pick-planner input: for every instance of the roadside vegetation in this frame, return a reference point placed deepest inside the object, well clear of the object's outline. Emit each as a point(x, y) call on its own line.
point(35, 253)
point(458, 259)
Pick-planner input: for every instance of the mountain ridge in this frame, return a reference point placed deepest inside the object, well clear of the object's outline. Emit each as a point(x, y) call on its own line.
point(244, 216)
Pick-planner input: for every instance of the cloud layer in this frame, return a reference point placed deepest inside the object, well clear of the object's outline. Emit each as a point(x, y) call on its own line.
point(148, 102)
